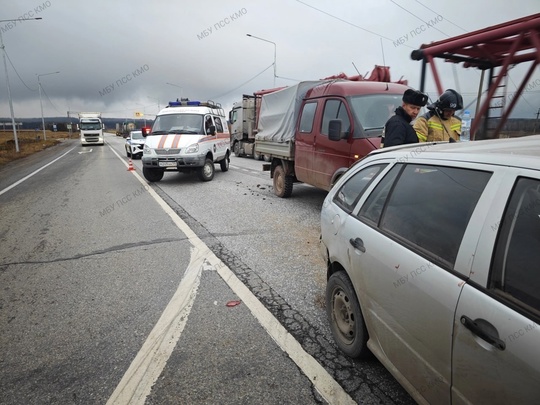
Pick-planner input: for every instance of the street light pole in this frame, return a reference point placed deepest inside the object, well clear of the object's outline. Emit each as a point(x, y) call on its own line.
point(144, 112)
point(275, 50)
point(41, 103)
point(7, 79)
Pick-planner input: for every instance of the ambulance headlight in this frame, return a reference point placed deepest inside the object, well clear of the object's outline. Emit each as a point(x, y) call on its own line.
point(192, 148)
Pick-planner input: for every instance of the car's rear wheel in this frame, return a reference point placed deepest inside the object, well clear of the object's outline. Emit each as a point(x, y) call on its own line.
point(283, 184)
point(206, 173)
point(153, 175)
point(345, 316)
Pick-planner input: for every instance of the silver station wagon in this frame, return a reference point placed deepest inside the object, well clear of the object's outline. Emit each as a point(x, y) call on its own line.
point(433, 254)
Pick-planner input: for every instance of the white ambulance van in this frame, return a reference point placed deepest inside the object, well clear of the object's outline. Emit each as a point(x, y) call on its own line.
point(187, 136)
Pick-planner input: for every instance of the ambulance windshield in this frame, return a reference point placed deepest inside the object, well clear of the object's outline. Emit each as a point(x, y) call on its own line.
point(178, 124)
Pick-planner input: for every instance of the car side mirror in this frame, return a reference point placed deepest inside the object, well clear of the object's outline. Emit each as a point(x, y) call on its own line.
point(334, 130)
point(212, 130)
point(146, 131)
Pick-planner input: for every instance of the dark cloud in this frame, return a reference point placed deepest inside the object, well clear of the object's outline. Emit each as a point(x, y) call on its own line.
point(117, 57)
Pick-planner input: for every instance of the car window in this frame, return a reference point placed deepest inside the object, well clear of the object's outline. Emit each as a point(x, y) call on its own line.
point(350, 192)
point(308, 115)
point(219, 125)
point(335, 109)
point(372, 209)
point(515, 269)
point(429, 208)
point(233, 116)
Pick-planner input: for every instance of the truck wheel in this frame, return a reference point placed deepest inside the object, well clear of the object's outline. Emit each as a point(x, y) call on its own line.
point(345, 316)
point(152, 175)
point(236, 149)
point(283, 184)
point(206, 173)
point(224, 164)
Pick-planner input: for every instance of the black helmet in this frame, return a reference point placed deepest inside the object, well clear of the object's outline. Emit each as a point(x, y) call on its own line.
point(450, 99)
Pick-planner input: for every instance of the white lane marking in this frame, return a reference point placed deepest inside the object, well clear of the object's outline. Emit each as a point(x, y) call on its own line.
point(136, 374)
point(34, 172)
point(323, 382)
point(86, 151)
point(152, 358)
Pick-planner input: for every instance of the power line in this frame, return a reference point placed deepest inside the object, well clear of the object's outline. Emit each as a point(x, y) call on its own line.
point(22, 81)
point(349, 23)
point(446, 19)
point(243, 84)
point(414, 15)
point(46, 95)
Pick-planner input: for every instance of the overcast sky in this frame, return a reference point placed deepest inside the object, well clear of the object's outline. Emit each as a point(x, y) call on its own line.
point(118, 56)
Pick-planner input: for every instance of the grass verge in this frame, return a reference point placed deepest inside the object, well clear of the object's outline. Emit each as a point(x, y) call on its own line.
point(29, 142)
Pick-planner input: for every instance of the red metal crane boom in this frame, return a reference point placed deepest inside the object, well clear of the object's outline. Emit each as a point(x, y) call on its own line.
point(498, 47)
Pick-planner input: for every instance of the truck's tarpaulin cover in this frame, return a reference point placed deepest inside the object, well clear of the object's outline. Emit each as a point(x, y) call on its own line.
point(279, 112)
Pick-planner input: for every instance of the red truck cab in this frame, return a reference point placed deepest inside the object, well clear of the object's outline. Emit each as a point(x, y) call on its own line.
point(337, 123)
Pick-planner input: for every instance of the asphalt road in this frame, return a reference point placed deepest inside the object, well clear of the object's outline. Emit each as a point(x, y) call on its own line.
point(116, 291)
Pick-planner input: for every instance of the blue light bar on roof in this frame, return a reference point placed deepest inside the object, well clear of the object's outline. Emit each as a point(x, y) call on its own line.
point(184, 103)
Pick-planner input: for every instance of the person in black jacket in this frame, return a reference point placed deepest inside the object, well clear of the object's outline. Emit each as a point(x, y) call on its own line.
point(398, 129)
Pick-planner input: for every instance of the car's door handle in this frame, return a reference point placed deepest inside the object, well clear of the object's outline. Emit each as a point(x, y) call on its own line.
point(482, 333)
point(357, 244)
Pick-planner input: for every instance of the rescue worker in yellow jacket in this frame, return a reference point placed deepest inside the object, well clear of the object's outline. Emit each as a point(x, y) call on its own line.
point(439, 123)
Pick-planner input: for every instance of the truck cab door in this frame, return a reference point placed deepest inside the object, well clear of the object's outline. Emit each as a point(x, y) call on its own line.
point(328, 155)
point(305, 135)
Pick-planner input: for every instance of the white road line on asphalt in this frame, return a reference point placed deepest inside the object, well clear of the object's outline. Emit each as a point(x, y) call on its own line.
point(147, 366)
point(323, 382)
point(152, 358)
point(31, 174)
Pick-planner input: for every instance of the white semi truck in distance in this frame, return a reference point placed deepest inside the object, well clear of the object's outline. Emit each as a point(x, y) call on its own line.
point(91, 128)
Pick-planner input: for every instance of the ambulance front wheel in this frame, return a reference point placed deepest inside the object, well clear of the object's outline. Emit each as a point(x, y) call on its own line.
point(206, 173)
point(152, 175)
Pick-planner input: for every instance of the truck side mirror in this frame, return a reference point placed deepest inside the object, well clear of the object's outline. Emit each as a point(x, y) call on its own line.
point(146, 131)
point(334, 130)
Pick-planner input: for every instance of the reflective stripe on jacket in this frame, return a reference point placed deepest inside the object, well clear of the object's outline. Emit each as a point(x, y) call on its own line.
point(430, 128)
